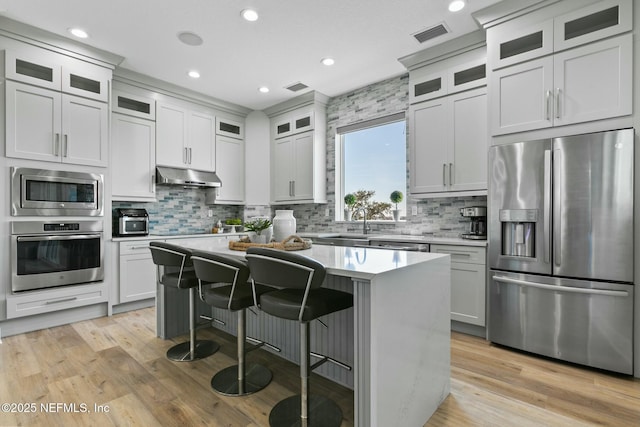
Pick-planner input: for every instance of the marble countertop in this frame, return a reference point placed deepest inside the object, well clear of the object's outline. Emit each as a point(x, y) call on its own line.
point(361, 263)
point(381, 237)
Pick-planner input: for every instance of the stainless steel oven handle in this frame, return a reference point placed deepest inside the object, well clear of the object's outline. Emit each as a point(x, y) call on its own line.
point(58, 237)
point(561, 288)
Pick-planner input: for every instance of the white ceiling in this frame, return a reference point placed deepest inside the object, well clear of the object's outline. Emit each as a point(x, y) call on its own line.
point(285, 46)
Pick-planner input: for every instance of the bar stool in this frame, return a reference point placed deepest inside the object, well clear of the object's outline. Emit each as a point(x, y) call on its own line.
point(300, 298)
point(177, 272)
point(234, 294)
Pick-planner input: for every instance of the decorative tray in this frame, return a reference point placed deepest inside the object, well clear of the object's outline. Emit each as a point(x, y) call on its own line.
point(291, 243)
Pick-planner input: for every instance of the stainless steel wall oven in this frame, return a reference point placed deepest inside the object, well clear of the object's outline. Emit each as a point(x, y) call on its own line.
point(47, 254)
point(39, 192)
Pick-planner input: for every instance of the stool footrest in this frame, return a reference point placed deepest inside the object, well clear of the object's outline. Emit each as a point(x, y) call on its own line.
point(212, 319)
point(324, 359)
point(258, 343)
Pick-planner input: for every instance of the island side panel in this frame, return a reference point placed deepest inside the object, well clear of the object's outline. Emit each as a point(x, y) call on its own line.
point(362, 348)
point(410, 343)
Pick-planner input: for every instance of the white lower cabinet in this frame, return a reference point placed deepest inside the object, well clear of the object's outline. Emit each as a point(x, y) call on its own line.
point(63, 298)
point(468, 282)
point(137, 272)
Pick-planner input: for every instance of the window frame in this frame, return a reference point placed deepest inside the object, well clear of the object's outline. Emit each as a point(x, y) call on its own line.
point(341, 131)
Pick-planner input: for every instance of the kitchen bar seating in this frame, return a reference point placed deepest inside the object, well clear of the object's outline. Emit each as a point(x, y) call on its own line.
point(175, 269)
point(224, 284)
point(301, 297)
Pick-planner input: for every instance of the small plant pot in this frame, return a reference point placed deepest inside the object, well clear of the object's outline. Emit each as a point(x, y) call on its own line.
point(396, 214)
point(347, 214)
point(259, 238)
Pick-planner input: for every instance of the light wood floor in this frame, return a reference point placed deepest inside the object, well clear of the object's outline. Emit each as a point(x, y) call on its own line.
point(118, 363)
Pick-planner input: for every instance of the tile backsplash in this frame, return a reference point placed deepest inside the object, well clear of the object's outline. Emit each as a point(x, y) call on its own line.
point(182, 211)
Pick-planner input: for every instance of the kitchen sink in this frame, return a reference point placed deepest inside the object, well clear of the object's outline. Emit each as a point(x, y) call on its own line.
point(343, 239)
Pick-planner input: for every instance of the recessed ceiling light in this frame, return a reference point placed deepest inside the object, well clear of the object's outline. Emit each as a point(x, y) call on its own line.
point(456, 5)
point(328, 61)
point(249, 15)
point(263, 89)
point(194, 74)
point(189, 38)
point(82, 34)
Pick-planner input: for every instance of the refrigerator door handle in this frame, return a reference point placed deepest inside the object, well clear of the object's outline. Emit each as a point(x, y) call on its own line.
point(555, 288)
point(557, 211)
point(546, 214)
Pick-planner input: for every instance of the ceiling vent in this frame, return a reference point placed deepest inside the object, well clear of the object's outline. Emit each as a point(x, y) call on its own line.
point(431, 33)
point(296, 87)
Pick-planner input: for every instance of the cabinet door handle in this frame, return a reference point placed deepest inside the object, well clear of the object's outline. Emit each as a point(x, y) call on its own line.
point(184, 155)
point(450, 174)
point(190, 154)
point(56, 145)
point(293, 188)
point(444, 174)
point(65, 146)
point(153, 183)
point(557, 103)
point(547, 107)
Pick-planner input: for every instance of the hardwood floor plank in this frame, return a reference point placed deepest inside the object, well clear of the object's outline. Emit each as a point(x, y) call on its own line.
point(118, 363)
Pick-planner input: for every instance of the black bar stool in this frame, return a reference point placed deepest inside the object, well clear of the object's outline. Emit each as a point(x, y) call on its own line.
point(177, 272)
point(300, 298)
point(235, 294)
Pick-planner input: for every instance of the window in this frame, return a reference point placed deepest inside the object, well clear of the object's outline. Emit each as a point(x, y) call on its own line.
point(372, 156)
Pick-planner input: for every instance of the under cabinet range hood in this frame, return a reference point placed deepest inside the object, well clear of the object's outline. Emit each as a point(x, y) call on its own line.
point(186, 177)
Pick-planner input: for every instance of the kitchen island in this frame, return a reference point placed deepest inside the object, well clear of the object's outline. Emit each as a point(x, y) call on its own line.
point(396, 337)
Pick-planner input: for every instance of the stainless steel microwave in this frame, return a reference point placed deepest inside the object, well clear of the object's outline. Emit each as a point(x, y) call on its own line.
point(41, 192)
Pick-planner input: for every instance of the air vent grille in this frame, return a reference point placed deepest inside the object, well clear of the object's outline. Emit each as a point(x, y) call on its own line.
point(296, 87)
point(431, 33)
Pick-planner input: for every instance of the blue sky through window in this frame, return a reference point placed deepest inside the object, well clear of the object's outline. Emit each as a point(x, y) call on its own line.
point(376, 159)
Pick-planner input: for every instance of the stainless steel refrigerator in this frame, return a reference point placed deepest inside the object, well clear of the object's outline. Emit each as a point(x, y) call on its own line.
point(561, 248)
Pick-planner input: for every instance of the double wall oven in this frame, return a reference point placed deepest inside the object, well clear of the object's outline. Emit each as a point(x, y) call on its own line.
point(53, 252)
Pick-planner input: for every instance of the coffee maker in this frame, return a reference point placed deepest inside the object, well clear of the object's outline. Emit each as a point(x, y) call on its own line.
point(478, 223)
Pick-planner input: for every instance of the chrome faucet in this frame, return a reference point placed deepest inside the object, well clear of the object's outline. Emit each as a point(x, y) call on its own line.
point(365, 227)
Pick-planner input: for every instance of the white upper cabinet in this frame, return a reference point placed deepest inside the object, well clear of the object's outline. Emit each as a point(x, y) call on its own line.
point(528, 41)
point(448, 144)
point(570, 69)
point(591, 82)
point(230, 161)
point(298, 149)
point(56, 72)
point(453, 75)
point(595, 22)
point(134, 105)
point(293, 124)
point(133, 147)
point(56, 108)
point(184, 138)
point(448, 133)
point(42, 124)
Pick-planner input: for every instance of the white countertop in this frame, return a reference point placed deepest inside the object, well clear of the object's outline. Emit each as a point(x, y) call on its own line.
point(383, 237)
point(362, 263)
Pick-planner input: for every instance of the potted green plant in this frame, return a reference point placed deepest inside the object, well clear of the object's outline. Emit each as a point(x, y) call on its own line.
point(396, 197)
point(234, 223)
point(258, 226)
point(349, 201)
